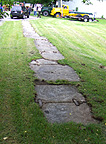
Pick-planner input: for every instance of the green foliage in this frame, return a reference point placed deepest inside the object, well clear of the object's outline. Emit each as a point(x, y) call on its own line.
point(4, 2)
point(88, 2)
point(3, 14)
point(40, 1)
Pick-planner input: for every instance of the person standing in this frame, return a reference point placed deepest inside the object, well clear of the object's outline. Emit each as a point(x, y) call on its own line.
point(29, 9)
point(39, 10)
point(1, 8)
point(35, 12)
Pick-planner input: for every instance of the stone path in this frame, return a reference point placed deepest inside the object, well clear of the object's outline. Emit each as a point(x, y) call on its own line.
point(60, 103)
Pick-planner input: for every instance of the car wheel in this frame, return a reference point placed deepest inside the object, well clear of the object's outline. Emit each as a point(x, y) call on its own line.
point(57, 15)
point(23, 16)
point(86, 18)
point(45, 13)
point(79, 17)
point(90, 20)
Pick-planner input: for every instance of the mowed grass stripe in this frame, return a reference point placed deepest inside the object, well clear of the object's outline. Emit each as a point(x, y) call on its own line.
point(86, 38)
point(7, 59)
point(16, 86)
point(78, 37)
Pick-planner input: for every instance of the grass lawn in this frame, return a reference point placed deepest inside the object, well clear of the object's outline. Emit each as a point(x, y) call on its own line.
point(84, 48)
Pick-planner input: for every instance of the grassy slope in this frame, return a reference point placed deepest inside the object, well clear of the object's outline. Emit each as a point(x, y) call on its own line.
point(84, 48)
point(21, 119)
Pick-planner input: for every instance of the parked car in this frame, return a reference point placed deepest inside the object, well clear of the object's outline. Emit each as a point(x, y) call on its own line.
point(46, 10)
point(19, 12)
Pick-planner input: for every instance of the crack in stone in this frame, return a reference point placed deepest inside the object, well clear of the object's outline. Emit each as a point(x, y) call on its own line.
point(76, 102)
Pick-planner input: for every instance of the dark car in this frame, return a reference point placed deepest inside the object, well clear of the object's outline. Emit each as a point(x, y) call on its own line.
point(19, 12)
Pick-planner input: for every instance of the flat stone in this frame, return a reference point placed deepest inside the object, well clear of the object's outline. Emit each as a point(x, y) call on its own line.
point(40, 38)
point(43, 62)
point(55, 72)
point(47, 50)
point(58, 93)
point(52, 55)
point(42, 42)
point(30, 35)
point(28, 30)
point(67, 112)
point(45, 47)
point(42, 45)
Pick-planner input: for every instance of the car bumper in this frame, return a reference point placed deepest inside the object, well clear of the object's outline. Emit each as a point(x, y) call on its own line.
point(16, 15)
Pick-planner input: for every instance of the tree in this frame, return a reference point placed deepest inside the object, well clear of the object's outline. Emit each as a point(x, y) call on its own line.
point(3, 14)
point(10, 2)
point(87, 2)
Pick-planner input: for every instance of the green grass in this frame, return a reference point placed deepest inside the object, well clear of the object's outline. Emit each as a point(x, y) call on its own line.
point(22, 121)
point(84, 48)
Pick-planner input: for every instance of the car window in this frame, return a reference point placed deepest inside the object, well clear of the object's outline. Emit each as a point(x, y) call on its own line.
point(18, 8)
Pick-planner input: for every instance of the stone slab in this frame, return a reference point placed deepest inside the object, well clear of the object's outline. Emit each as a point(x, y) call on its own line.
point(43, 62)
point(43, 42)
point(40, 38)
point(42, 45)
point(52, 55)
point(58, 93)
point(55, 72)
point(30, 35)
point(28, 30)
point(67, 112)
point(45, 48)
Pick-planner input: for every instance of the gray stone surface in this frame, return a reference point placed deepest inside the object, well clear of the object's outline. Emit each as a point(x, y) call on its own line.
point(55, 72)
point(57, 93)
point(66, 112)
point(52, 55)
point(43, 42)
point(40, 38)
point(28, 30)
point(44, 45)
point(47, 50)
point(43, 62)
